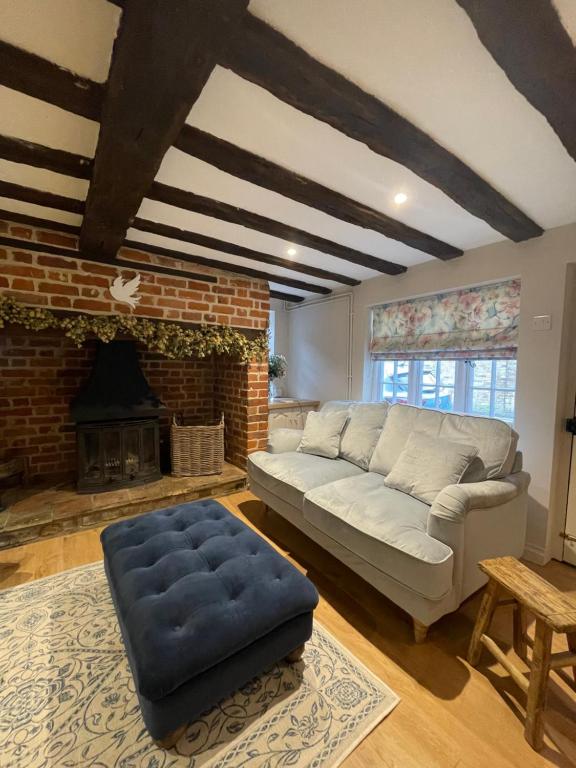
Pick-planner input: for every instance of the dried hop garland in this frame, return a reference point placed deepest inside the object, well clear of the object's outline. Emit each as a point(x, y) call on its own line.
point(169, 339)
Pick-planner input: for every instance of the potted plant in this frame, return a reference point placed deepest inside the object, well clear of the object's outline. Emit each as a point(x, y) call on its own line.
point(277, 367)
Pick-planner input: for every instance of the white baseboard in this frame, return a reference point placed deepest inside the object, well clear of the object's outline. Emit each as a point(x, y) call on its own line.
point(535, 554)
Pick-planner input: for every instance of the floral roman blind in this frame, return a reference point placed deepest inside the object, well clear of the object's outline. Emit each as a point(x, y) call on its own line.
point(479, 322)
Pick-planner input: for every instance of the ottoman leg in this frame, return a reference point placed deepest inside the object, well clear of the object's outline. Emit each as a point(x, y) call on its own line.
point(171, 738)
point(295, 655)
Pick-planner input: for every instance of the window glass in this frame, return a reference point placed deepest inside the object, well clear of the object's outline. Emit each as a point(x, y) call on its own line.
point(394, 381)
point(437, 384)
point(479, 387)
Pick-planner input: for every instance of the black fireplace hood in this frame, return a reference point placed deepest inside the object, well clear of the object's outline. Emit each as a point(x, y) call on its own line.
point(117, 388)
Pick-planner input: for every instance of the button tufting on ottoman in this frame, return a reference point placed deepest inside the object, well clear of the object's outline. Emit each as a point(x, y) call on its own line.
point(204, 605)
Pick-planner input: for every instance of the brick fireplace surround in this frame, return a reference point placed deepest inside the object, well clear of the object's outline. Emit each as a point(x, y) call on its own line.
point(40, 372)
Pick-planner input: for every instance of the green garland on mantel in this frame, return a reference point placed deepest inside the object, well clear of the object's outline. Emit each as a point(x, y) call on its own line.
point(169, 339)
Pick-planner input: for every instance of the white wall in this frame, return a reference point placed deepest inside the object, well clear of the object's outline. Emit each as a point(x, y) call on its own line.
point(319, 351)
point(545, 384)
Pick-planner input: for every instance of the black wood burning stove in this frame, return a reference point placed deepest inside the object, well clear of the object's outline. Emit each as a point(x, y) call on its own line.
point(117, 454)
point(116, 417)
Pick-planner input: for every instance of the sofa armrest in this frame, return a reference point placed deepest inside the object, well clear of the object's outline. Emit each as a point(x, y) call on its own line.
point(283, 440)
point(455, 501)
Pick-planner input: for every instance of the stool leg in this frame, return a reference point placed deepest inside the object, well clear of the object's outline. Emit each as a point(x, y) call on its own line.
point(540, 668)
point(520, 644)
point(487, 608)
point(571, 637)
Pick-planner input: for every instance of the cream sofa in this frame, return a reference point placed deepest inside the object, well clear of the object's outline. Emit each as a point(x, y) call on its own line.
point(422, 557)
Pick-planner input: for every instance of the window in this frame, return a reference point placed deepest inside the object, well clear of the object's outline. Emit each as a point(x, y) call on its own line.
point(479, 387)
point(272, 332)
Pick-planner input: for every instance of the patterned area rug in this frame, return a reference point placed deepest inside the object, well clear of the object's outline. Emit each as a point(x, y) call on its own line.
point(67, 696)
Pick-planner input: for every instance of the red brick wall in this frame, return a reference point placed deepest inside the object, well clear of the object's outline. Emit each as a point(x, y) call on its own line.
point(60, 282)
point(241, 393)
point(41, 372)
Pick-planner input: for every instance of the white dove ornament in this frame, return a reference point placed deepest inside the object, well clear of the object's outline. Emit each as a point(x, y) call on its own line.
point(123, 291)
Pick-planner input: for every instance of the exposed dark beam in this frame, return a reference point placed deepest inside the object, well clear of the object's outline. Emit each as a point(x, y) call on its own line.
point(37, 77)
point(29, 245)
point(162, 58)
point(286, 296)
point(28, 153)
point(40, 197)
point(181, 198)
point(257, 170)
point(144, 225)
point(263, 55)
point(216, 264)
point(528, 40)
point(34, 221)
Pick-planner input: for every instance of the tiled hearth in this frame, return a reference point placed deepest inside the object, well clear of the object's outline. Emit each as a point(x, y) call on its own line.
point(53, 510)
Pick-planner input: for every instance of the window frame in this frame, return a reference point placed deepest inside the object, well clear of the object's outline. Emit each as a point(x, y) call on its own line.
point(463, 388)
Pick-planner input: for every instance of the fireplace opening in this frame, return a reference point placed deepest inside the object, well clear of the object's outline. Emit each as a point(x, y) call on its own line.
point(117, 428)
point(117, 454)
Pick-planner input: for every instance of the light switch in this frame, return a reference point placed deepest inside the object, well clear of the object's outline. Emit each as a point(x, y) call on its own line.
point(542, 322)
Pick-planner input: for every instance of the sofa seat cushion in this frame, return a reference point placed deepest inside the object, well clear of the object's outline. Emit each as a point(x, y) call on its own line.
point(290, 475)
point(384, 527)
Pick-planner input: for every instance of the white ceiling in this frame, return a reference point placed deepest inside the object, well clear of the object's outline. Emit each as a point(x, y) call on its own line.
point(421, 57)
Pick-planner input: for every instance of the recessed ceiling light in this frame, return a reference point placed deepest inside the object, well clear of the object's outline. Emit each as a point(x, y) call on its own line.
point(292, 251)
point(400, 198)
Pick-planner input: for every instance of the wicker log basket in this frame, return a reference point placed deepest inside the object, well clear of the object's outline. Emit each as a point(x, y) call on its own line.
point(196, 449)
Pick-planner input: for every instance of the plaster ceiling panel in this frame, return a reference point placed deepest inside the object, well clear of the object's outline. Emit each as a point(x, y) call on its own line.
point(75, 34)
point(40, 211)
point(246, 115)
point(30, 119)
point(185, 172)
point(425, 60)
point(39, 178)
point(249, 238)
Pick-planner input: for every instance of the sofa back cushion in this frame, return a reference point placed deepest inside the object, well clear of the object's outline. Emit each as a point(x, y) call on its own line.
point(427, 464)
point(361, 433)
point(322, 433)
point(336, 405)
point(496, 441)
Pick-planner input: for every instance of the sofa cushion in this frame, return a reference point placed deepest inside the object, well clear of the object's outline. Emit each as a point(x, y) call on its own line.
point(361, 433)
point(496, 441)
point(322, 433)
point(290, 475)
point(429, 464)
point(384, 527)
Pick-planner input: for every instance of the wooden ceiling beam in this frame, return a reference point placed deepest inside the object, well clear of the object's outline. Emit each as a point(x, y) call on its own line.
point(156, 228)
point(216, 264)
point(181, 198)
point(263, 56)
point(162, 58)
point(39, 156)
point(286, 296)
point(530, 43)
point(30, 74)
point(264, 173)
point(40, 197)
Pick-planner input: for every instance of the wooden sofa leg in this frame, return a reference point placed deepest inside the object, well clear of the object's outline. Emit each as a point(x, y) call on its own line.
point(420, 631)
point(171, 739)
point(295, 655)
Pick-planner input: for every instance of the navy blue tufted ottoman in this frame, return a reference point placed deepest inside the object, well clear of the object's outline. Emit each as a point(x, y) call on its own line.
point(204, 605)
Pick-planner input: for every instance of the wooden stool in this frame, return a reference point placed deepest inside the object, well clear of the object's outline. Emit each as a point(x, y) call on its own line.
point(554, 612)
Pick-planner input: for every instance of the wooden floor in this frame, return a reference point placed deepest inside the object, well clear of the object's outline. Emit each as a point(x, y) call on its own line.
point(450, 715)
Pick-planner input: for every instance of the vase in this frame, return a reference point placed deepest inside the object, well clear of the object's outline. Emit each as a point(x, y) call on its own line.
point(274, 388)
